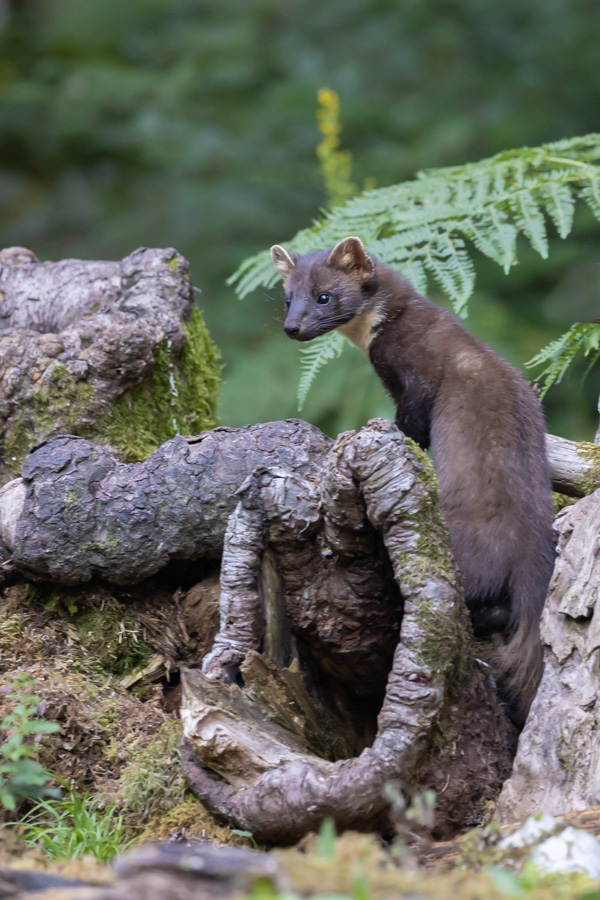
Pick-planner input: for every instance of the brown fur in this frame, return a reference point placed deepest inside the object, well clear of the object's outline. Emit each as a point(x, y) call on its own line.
point(483, 422)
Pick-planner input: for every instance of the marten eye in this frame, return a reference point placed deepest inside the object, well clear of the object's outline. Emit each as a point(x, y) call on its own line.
point(323, 299)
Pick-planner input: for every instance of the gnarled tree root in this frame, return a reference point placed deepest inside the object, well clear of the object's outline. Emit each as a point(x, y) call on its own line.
point(256, 766)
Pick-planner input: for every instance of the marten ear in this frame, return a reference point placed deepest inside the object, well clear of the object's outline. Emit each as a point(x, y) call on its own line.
point(350, 256)
point(283, 262)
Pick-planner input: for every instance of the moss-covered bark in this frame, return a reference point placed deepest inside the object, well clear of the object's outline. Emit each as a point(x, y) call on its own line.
point(179, 397)
point(112, 351)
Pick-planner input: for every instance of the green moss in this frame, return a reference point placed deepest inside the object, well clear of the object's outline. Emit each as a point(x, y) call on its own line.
point(561, 501)
point(199, 377)
point(192, 816)
point(11, 631)
point(590, 454)
point(152, 782)
point(153, 795)
point(446, 638)
point(111, 638)
point(179, 398)
point(433, 543)
point(60, 400)
point(444, 647)
point(432, 556)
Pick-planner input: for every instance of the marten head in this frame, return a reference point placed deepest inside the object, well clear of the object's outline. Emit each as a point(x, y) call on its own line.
point(326, 289)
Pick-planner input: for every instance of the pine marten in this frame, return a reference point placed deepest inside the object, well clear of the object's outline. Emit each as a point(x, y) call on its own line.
point(483, 422)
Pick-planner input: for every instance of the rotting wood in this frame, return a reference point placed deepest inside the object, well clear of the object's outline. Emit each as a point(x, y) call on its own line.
point(77, 337)
point(374, 483)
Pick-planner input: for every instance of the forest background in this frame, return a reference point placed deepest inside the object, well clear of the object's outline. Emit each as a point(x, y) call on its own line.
point(192, 124)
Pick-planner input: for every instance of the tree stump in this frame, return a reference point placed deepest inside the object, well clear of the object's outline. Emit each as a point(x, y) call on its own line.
point(113, 351)
point(343, 670)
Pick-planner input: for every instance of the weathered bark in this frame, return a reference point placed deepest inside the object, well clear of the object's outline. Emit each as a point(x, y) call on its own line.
point(557, 768)
point(574, 465)
point(76, 336)
point(77, 512)
point(343, 609)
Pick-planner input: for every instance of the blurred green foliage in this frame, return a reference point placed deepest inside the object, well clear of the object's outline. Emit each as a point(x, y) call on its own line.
point(192, 124)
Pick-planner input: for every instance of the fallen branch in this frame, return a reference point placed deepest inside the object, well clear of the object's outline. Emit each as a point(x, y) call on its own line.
point(574, 465)
point(77, 512)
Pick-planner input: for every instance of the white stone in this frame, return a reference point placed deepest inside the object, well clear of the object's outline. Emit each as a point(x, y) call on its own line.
point(529, 833)
point(572, 850)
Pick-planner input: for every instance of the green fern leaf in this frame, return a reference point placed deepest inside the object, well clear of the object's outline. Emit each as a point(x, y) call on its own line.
point(591, 194)
point(453, 269)
point(313, 357)
point(414, 271)
point(493, 236)
point(560, 204)
point(256, 271)
point(530, 219)
point(559, 354)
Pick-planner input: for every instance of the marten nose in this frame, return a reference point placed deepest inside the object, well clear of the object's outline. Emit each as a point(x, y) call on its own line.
point(292, 329)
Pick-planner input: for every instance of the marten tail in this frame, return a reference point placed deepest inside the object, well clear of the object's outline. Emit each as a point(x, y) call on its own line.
point(519, 664)
point(520, 659)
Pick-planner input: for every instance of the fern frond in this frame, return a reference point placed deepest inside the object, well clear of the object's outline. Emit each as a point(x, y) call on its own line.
point(591, 193)
point(453, 269)
point(494, 236)
point(414, 271)
point(559, 354)
point(420, 226)
point(560, 204)
point(256, 271)
point(313, 357)
point(489, 202)
point(530, 220)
